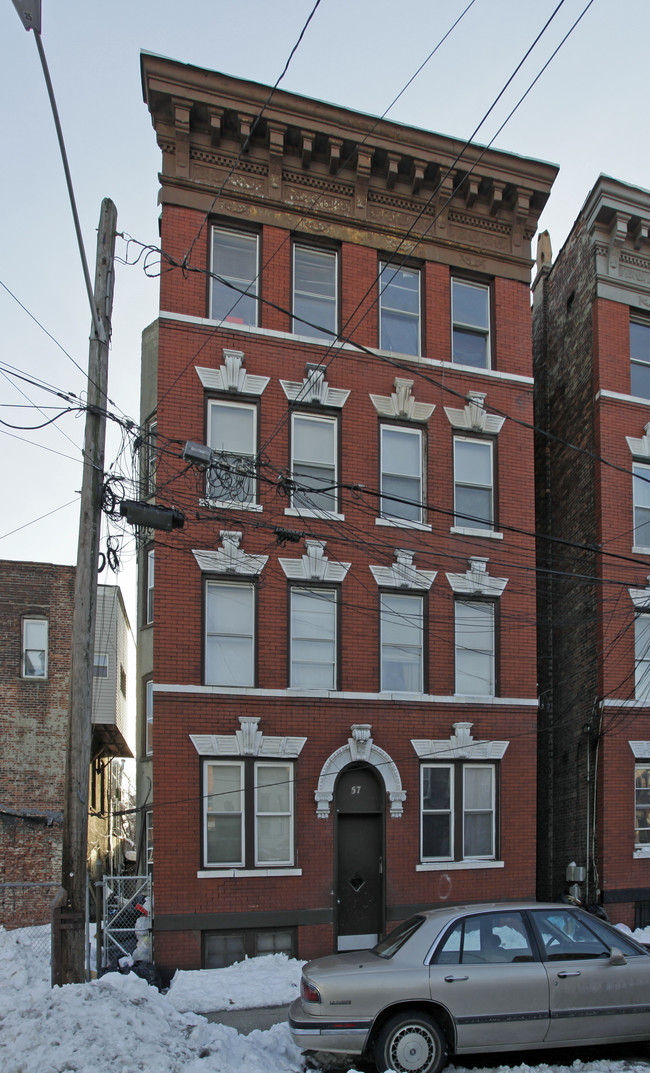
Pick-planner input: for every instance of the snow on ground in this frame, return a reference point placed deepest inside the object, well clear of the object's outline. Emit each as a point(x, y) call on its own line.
point(120, 1024)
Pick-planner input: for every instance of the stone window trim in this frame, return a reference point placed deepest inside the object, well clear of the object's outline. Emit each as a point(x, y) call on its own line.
point(402, 574)
point(402, 404)
point(314, 389)
point(230, 558)
point(474, 417)
point(476, 581)
point(249, 740)
point(314, 565)
point(360, 747)
point(231, 377)
point(460, 745)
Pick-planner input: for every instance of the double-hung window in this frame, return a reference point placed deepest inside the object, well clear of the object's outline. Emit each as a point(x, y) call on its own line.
point(35, 648)
point(642, 657)
point(402, 643)
point(642, 806)
point(314, 452)
point(148, 458)
point(248, 814)
point(475, 647)
point(234, 276)
point(232, 435)
point(149, 587)
point(401, 473)
point(473, 483)
point(470, 314)
point(641, 490)
point(100, 665)
point(148, 717)
point(313, 638)
point(229, 633)
point(399, 309)
point(315, 289)
point(458, 812)
point(640, 359)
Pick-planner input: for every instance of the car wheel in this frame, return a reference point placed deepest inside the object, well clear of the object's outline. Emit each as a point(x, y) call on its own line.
point(410, 1044)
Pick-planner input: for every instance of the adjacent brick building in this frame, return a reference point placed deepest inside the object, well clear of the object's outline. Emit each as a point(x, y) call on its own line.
point(592, 373)
point(337, 658)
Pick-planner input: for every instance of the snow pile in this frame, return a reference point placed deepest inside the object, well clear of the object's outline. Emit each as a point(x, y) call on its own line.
point(266, 981)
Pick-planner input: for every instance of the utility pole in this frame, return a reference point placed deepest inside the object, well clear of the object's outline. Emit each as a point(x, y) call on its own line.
point(75, 821)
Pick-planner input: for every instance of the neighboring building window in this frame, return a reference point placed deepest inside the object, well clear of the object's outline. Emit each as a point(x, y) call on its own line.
point(641, 490)
point(458, 811)
point(232, 432)
point(640, 359)
point(149, 590)
point(100, 665)
point(314, 463)
point(470, 312)
point(235, 262)
point(122, 681)
point(148, 818)
point(229, 634)
point(35, 648)
point(401, 473)
point(315, 289)
point(475, 647)
point(399, 309)
point(148, 472)
point(642, 657)
point(221, 949)
point(642, 806)
point(248, 814)
point(473, 483)
point(313, 638)
point(148, 717)
point(402, 643)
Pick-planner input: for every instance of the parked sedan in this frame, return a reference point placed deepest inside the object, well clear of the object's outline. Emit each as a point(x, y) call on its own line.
point(472, 979)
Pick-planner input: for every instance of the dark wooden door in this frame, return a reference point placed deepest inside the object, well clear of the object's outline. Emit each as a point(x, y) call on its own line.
point(359, 799)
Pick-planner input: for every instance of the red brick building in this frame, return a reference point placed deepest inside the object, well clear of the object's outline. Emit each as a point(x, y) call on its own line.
point(592, 374)
point(338, 671)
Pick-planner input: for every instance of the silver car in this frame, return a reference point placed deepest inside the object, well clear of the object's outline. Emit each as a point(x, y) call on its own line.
point(472, 979)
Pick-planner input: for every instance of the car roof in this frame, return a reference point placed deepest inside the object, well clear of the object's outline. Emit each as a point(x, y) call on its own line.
point(449, 911)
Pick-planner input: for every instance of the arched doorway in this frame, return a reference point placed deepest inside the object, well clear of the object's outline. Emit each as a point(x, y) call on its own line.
point(359, 797)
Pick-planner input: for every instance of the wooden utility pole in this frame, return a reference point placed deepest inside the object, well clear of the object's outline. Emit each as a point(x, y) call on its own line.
point(71, 918)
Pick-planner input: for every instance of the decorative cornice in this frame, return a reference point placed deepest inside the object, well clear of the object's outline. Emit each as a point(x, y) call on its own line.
point(640, 448)
point(402, 403)
point(641, 749)
point(641, 598)
point(230, 558)
point(314, 389)
point(402, 574)
point(232, 376)
point(314, 565)
point(460, 745)
point(476, 581)
point(474, 417)
point(247, 741)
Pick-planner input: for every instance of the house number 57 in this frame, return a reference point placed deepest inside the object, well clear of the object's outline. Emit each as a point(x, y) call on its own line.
point(355, 789)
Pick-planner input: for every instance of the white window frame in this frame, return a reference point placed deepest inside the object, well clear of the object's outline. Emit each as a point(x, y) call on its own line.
point(389, 616)
point(100, 663)
point(149, 457)
point(461, 520)
point(149, 589)
point(463, 651)
point(236, 862)
point(214, 589)
point(407, 316)
point(148, 717)
point(288, 813)
point(244, 284)
point(639, 846)
point(249, 800)
point(316, 328)
point(642, 656)
point(148, 840)
point(328, 599)
point(459, 811)
point(393, 509)
point(641, 509)
point(30, 627)
point(468, 328)
point(327, 472)
point(640, 362)
point(246, 458)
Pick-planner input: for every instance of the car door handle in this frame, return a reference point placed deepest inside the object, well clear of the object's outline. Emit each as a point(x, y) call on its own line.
point(451, 979)
point(564, 974)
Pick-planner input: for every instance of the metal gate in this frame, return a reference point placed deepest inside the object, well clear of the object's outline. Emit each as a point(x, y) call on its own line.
point(121, 897)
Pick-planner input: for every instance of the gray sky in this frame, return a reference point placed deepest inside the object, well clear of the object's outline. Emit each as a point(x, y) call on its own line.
point(587, 113)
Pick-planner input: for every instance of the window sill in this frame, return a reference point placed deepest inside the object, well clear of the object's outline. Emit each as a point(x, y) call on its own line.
point(402, 523)
point(306, 512)
point(639, 549)
point(641, 854)
point(229, 504)
point(246, 873)
point(455, 866)
point(488, 534)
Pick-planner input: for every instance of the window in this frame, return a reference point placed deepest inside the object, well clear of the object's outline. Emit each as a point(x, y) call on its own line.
point(148, 717)
point(474, 644)
point(149, 592)
point(641, 493)
point(221, 949)
point(148, 819)
point(458, 812)
point(313, 463)
point(402, 643)
point(248, 814)
point(642, 806)
point(640, 359)
point(473, 481)
point(35, 648)
point(229, 634)
point(234, 261)
point(470, 314)
point(122, 681)
point(313, 638)
point(401, 473)
point(486, 937)
point(232, 432)
point(315, 292)
point(100, 665)
point(399, 309)
point(642, 657)
point(148, 458)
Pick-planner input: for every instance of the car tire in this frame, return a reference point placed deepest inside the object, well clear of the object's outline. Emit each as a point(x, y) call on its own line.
point(410, 1043)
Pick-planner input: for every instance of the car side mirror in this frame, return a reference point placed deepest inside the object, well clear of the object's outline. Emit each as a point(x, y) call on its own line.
point(617, 957)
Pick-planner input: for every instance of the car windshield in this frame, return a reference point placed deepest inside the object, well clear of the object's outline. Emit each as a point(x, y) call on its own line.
point(397, 937)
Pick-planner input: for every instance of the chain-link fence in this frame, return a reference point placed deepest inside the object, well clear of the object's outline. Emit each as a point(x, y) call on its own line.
point(27, 906)
point(127, 903)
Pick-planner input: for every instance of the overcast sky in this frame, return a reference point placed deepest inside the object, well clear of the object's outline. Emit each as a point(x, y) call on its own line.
point(588, 113)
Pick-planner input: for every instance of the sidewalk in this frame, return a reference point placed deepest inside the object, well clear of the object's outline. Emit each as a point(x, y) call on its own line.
point(246, 1021)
